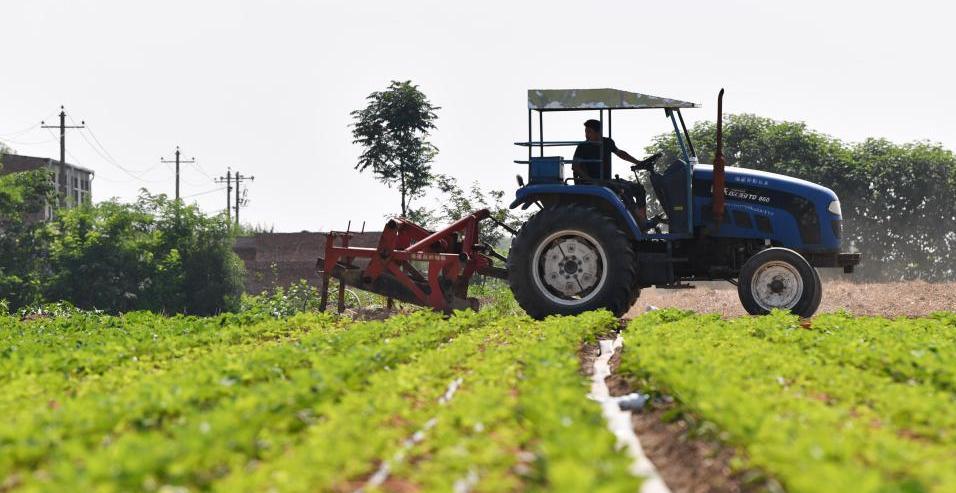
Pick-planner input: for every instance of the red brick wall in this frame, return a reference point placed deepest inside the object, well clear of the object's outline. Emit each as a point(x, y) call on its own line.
point(280, 259)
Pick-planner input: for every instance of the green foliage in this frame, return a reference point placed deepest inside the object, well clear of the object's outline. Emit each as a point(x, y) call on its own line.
point(157, 254)
point(502, 402)
point(896, 199)
point(456, 203)
point(857, 404)
point(302, 297)
point(22, 249)
point(280, 302)
point(495, 296)
point(142, 402)
point(393, 130)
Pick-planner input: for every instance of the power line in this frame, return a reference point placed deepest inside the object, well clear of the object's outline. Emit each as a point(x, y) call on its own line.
point(100, 144)
point(113, 162)
point(21, 132)
point(101, 177)
point(204, 193)
point(106, 154)
point(203, 171)
point(22, 143)
point(31, 127)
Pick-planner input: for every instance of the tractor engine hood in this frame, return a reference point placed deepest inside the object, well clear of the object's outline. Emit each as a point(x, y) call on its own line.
point(740, 181)
point(791, 212)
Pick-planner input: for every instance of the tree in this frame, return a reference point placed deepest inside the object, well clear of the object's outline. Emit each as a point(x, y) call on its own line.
point(393, 130)
point(457, 202)
point(22, 247)
point(896, 199)
point(155, 254)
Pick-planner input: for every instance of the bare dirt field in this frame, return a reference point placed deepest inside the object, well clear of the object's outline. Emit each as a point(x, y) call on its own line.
point(894, 299)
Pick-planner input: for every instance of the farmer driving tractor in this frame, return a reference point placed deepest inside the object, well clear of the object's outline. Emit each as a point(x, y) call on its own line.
point(590, 165)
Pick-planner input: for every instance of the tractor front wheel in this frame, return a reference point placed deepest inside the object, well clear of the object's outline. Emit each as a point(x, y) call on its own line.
point(779, 278)
point(571, 259)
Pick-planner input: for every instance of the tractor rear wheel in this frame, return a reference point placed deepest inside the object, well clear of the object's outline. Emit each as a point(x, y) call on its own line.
point(571, 259)
point(779, 278)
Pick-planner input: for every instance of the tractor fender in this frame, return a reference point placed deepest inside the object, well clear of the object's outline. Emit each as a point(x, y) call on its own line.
point(603, 197)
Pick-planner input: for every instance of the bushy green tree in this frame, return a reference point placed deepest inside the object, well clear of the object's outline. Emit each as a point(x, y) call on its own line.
point(22, 248)
point(156, 254)
point(101, 257)
point(897, 200)
point(457, 202)
point(393, 131)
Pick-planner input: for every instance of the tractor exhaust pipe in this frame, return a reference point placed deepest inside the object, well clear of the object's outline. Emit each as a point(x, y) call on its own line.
point(718, 194)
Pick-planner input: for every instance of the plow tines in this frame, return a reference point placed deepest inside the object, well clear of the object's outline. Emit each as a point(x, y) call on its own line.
point(411, 263)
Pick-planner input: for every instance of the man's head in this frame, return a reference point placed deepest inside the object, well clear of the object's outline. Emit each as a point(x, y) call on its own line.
point(592, 130)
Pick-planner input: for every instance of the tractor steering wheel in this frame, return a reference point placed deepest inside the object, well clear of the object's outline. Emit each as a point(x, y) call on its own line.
point(646, 163)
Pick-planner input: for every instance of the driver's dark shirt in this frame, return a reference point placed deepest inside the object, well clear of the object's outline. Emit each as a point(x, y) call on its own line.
point(592, 150)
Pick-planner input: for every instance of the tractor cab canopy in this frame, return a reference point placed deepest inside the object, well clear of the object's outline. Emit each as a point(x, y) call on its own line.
point(598, 99)
point(603, 101)
point(549, 170)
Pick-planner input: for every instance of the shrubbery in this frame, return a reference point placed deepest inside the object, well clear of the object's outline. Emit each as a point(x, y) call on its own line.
point(155, 254)
point(21, 243)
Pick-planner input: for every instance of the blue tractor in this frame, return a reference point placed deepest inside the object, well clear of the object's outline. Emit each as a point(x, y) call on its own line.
point(584, 249)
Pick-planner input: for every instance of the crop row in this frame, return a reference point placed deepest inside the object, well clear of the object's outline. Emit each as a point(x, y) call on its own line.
point(223, 401)
point(853, 404)
point(44, 373)
point(517, 421)
point(312, 403)
point(83, 344)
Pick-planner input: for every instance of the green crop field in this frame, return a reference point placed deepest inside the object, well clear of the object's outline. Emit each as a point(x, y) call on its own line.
point(842, 404)
point(310, 403)
point(474, 402)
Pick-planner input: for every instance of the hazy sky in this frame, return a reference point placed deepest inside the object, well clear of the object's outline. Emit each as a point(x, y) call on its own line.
point(267, 86)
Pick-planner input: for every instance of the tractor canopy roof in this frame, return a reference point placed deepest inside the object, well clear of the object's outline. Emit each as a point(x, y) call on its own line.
point(597, 99)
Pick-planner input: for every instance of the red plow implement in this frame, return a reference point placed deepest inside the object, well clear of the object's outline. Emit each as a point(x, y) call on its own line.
point(413, 264)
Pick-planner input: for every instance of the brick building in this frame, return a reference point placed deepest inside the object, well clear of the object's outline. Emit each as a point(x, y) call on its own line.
point(73, 183)
point(280, 259)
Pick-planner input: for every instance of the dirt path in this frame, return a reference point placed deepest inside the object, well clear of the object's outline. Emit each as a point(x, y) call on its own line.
point(912, 298)
point(684, 463)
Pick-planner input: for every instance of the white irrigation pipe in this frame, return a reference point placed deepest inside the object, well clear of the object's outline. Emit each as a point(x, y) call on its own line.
point(619, 422)
point(380, 475)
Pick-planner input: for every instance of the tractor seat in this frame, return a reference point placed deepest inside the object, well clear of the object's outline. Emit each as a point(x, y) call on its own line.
point(671, 190)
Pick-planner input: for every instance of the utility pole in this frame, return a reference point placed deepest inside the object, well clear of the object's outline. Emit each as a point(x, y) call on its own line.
point(239, 179)
point(228, 182)
point(63, 126)
point(177, 161)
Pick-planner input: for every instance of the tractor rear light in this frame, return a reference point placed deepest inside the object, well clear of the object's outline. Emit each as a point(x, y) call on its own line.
point(834, 208)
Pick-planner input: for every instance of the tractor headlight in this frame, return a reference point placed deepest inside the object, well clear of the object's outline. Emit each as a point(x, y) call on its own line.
point(834, 208)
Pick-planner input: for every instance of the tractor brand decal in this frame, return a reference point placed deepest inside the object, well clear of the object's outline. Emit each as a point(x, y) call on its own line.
point(744, 194)
point(750, 179)
point(772, 198)
point(754, 209)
